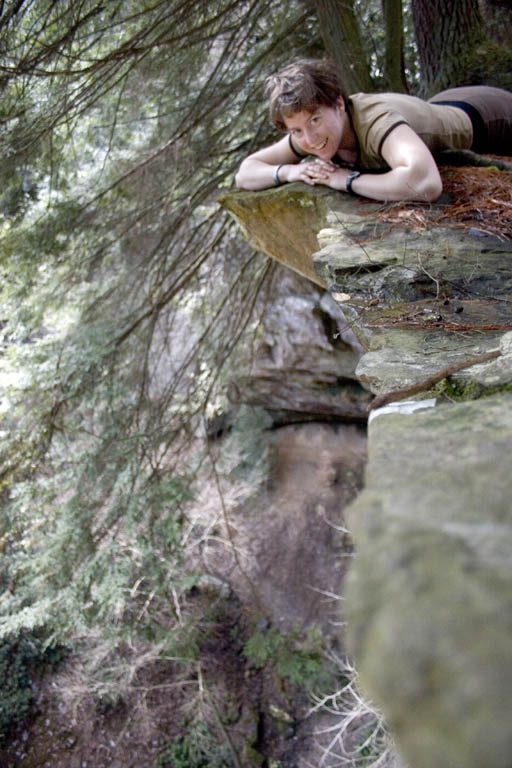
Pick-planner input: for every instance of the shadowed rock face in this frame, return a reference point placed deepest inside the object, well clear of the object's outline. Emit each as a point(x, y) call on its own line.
point(304, 366)
point(429, 596)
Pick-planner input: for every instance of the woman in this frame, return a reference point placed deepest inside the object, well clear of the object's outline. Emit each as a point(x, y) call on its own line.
point(380, 146)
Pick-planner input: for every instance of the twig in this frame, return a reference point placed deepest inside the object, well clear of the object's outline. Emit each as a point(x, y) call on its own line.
point(430, 381)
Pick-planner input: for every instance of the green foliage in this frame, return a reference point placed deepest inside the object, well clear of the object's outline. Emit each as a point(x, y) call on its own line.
point(471, 390)
point(196, 749)
point(124, 294)
point(263, 646)
point(301, 662)
point(16, 692)
point(77, 570)
point(19, 660)
point(454, 390)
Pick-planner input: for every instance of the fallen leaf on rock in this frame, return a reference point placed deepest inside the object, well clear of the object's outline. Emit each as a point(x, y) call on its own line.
point(341, 296)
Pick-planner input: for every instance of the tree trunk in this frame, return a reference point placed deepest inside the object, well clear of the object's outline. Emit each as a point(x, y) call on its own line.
point(342, 39)
point(445, 34)
point(454, 49)
point(394, 64)
point(497, 15)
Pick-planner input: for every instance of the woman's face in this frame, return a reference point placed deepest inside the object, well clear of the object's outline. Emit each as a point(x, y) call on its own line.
point(318, 133)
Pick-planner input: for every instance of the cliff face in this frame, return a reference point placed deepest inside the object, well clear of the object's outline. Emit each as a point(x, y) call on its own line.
point(429, 596)
point(303, 368)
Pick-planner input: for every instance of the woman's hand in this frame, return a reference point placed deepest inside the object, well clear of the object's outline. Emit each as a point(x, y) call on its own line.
point(310, 171)
point(320, 172)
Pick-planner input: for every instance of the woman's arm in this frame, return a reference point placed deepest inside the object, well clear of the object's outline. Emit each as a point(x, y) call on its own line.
point(413, 176)
point(257, 170)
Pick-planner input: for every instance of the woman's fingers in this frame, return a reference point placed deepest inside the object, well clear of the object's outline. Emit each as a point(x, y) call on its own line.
point(318, 170)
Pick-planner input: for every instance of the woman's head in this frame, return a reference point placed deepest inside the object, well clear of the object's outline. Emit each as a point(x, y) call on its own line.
point(305, 84)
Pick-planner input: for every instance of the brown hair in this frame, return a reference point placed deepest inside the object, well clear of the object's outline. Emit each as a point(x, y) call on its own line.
point(304, 84)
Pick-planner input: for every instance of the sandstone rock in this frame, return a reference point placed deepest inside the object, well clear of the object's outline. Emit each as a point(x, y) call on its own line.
point(399, 358)
point(270, 222)
point(429, 596)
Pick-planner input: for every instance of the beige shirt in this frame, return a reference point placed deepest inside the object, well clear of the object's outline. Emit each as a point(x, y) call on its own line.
point(374, 115)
